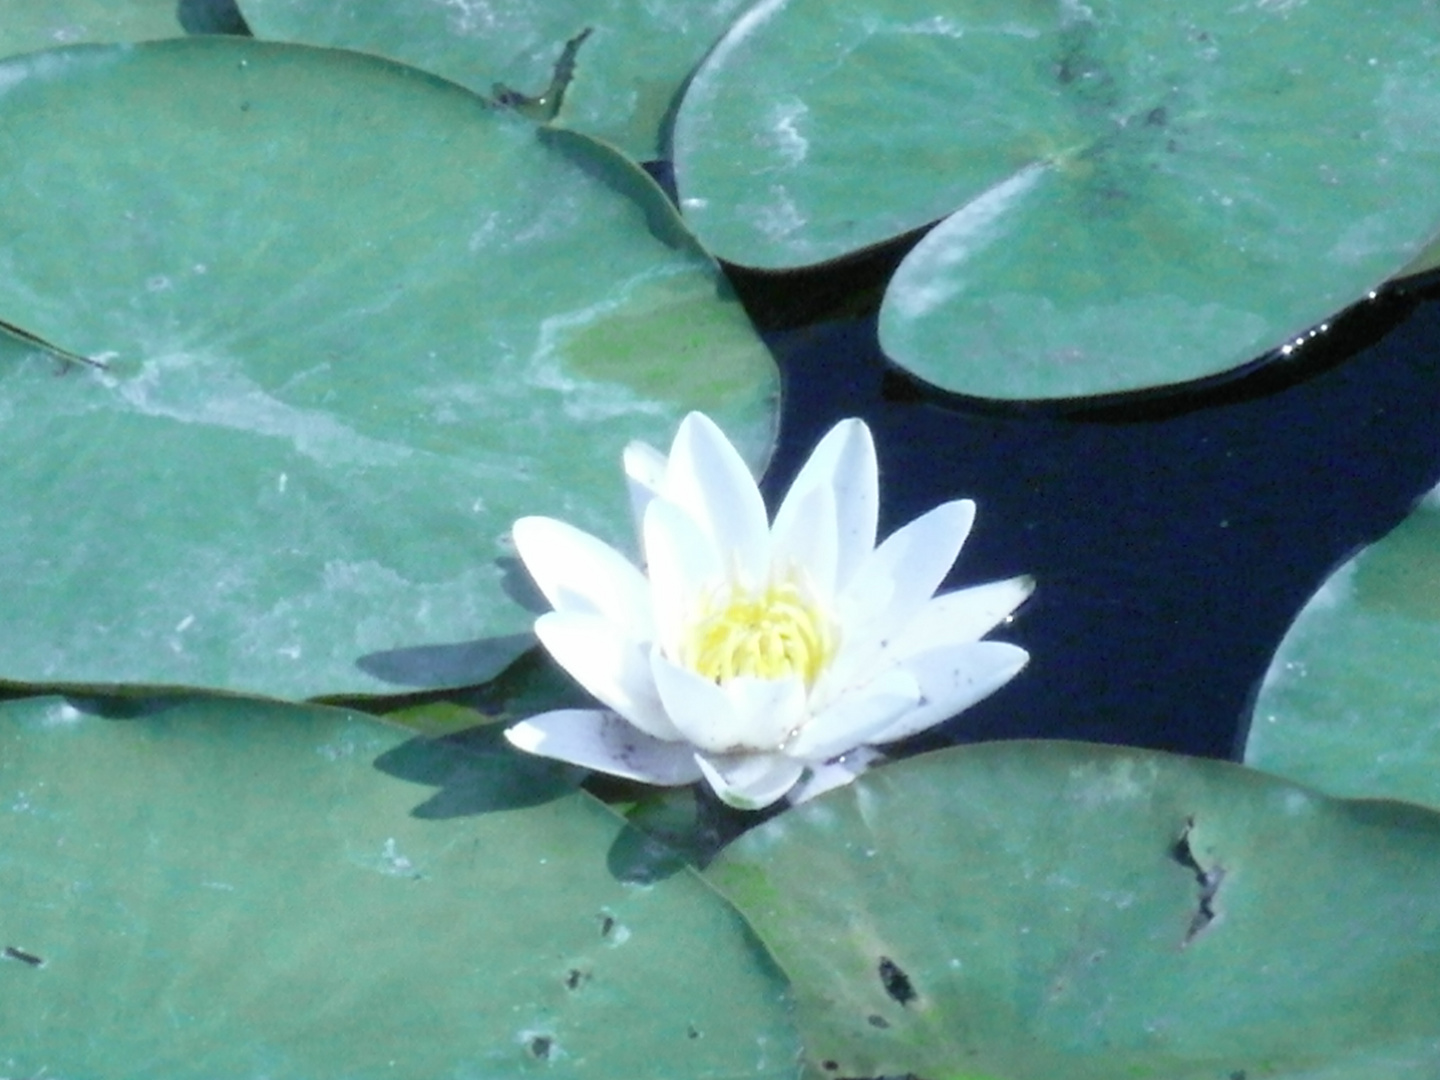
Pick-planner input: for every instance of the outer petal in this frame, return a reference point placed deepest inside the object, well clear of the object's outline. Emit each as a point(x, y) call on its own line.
point(857, 717)
point(684, 566)
point(707, 477)
point(600, 740)
point(645, 469)
point(580, 574)
point(751, 781)
point(954, 679)
point(894, 583)
point(832, 774)
point(613, 667)
point(843, 461)
point(745, 715)
point(960, 617)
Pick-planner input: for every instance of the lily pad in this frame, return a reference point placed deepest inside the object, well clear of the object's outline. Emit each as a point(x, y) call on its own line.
point(1029, 911)
point(347, 323)
point(26, 26)
point(1427, 260)
point(216, 889)
point(627, 73)
point(1351, 702)
point(1133, 194)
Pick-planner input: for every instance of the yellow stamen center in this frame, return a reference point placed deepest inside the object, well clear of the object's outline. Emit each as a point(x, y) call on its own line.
point(772, 634)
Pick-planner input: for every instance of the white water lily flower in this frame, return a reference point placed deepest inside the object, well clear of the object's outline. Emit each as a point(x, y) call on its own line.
point(752, 654)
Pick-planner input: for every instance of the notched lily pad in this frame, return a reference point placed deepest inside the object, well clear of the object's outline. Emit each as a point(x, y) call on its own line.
point(1129, 194)
point(231, 889)
point(347, 324)
point(1041, 910)
point(620, 65)
point(27, 26)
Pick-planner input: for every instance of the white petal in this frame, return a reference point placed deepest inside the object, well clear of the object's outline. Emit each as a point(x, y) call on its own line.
point(742, 716)
point(684, 568)
point(843, 461)
point(580, 574)
point(950, 621)
point(595, 739)
point(645, 476)
point(954, 679)
point(711, 482)
point(956, 618)
point(767, 711)
point(833, 774)
point(614, 668)
point(752, 781)
point(805, 541)
point(894, 583)
point(856, 717)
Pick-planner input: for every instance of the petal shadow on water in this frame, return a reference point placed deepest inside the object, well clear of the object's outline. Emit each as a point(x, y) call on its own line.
point(476, 772)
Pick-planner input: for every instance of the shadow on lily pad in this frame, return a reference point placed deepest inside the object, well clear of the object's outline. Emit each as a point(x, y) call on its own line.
point(476, 772)
point(463, 663)
point(517, 584)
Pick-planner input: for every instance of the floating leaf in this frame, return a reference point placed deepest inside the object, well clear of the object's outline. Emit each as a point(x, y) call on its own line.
point(1029, 911)
point(627, 73)
point(353, 324)
point(221, 888)
point(1427, 260)
point(1134, 194)
point(26, 26)
point(1351, 702)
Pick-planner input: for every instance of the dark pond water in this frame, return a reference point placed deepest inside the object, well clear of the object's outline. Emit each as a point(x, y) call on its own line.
point(1173, 539)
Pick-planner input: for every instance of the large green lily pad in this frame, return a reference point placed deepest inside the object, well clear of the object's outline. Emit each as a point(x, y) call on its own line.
point(1351, 702)
point(1132, 194)
point(224, 889)
point(626, 75)
point(1427, 260)
point(1032, 911)
point(353, 323)
point(26, 26)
